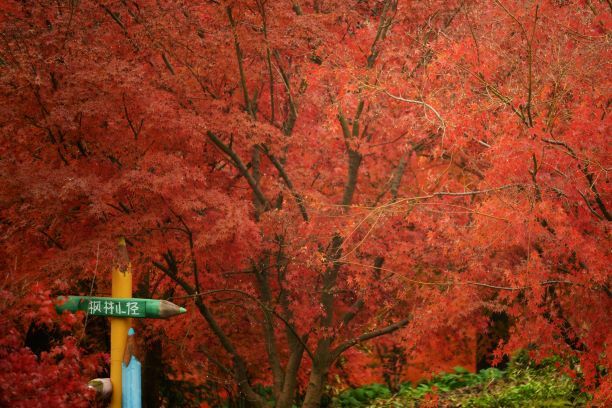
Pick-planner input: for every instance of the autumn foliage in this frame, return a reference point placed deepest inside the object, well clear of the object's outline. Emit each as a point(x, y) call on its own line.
point(315, 181)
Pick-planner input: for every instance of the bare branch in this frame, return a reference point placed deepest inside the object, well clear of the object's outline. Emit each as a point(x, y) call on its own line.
point(367, 336)
point(352, 312)
point(281, 170)
point(584, 167)
point(135, 131)
point(398, 174)
point(473, 192)
point(503, 98)
point(598, 200)
point(115, 17)
point(354, 157)
point(561, 143)
point(242, 168)
point(54, 241)
point(391, 273)
point(296, 7)
point(239, 55)
point(418, 102)
point(354, 161)
point(289, 121)
point(586, 200)
point(265, 293)
point(386, 19)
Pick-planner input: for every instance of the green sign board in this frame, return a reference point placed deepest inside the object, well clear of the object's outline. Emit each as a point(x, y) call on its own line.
point(119, 307)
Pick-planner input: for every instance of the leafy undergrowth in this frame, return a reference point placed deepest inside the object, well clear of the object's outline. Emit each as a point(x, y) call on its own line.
point(523, 384)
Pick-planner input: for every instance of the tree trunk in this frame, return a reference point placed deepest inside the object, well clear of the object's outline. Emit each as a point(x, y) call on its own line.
point(318, 376)
point(286, 397)
point(151, 375)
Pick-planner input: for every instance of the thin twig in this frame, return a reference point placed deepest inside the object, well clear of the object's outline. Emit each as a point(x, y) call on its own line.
point(423, 103)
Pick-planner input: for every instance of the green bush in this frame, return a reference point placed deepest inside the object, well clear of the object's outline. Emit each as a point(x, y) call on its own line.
point(361, 397)
point(523, 383)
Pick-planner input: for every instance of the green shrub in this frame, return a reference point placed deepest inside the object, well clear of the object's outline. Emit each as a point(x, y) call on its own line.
point(523, 383)
point(361, 397)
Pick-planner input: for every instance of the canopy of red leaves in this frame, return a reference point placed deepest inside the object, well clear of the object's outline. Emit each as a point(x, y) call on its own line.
point(304, 176)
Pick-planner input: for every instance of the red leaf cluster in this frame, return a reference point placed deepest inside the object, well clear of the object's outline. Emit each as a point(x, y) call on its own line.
point(305, 177)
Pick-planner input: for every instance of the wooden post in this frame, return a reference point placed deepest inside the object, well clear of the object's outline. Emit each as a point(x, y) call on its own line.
point(121, 288)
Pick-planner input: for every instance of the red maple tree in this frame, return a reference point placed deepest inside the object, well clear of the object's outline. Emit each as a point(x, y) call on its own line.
point(308, 176)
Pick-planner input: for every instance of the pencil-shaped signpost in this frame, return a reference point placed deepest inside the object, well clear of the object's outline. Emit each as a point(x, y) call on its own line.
point(121, 288)
point(120, 308)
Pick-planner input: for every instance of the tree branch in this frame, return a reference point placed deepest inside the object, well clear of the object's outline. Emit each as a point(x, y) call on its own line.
point(359, 303)
point(390, 6)
point(245, 92)
point(135, 131)
point(398, 174)
point(242, 168)
point(589, 176)
point(352, 312)
point(593, 188)
point(354, 161)
point(281, 170)
point(240, 367)
point(261, 275)
point(473, 192)
point(368, 336)
point(289, 121)
point(54, 241)
point(415, 101)
point(253, 298)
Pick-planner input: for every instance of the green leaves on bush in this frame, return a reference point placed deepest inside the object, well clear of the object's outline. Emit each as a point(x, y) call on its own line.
point(361, 397)
point(524, 383)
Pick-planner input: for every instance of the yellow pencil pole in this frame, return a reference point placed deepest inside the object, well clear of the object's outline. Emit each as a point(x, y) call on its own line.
point(121, 288)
